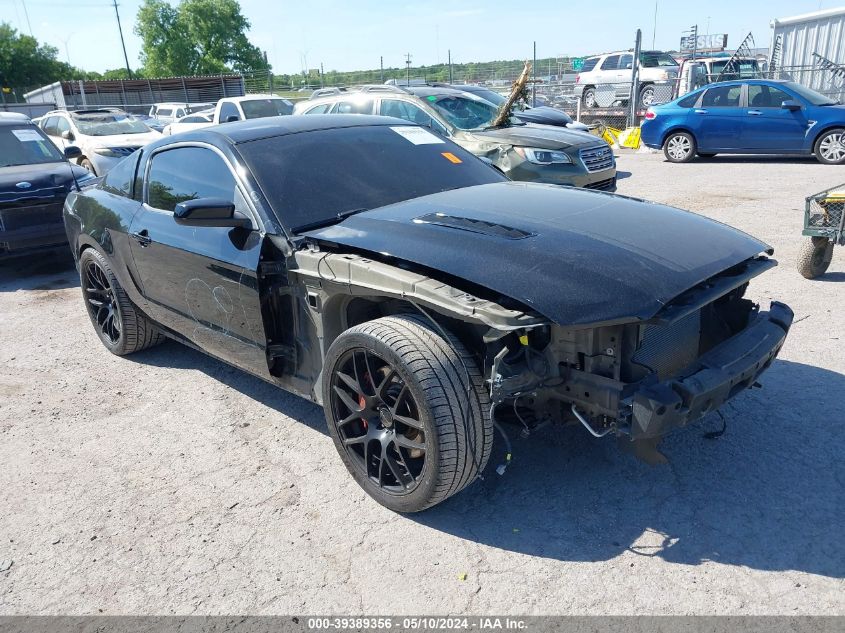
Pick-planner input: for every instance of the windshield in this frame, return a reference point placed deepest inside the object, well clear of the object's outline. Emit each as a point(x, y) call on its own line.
point(108, 124)
point(260, 108)
point(816, 98)
point(748, 69)
point(464, 113)
point(26, 145)
point(654, 59)
point(311, 177)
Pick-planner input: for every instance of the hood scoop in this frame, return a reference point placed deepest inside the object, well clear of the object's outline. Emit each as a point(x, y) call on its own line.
point(474, 226)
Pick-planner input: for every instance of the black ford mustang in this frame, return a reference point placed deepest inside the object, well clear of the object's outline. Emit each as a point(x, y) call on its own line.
point(418, 295)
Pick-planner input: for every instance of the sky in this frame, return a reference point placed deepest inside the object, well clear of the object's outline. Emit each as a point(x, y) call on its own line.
point(353, 35)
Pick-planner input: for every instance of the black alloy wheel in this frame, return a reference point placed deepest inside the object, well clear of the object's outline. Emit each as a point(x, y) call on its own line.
point(378, 421)
point(101, 302)
point(118, 323)
point(408, 411)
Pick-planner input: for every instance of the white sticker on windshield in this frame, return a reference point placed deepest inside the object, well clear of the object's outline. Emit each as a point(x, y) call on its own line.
point(27, 135)
point(417, 135)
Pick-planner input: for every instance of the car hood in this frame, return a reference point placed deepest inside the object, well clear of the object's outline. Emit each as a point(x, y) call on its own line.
point(576, 257)
point(50, 176)
point(119, 140)
point(542, 136)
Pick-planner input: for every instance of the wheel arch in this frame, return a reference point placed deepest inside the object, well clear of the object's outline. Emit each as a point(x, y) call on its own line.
point(673, 130)
point(827, 128)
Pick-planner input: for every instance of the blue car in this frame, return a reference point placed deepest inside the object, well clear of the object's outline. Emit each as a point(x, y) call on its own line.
point(748, 117)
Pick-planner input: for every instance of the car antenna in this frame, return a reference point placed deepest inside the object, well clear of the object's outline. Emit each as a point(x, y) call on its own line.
point(72, 173)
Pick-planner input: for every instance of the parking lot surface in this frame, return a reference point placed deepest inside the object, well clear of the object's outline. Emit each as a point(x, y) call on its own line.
point(168, 482)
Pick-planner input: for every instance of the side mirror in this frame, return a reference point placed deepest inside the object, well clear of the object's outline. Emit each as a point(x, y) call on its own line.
point(72, 151)
point(232, 118)
point(790, 105)
point(208, 212)
point(68, 135)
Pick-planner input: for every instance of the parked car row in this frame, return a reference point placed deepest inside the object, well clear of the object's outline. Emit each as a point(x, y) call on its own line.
point(521, 151)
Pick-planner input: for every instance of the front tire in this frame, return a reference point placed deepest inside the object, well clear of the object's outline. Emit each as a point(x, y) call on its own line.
point(119, 325)
point(830, 147)
point(814, 257)
point(407, 411)
point(679, 147)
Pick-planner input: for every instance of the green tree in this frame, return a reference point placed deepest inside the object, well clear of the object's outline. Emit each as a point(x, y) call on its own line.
point(197, 37)
point(24, 63)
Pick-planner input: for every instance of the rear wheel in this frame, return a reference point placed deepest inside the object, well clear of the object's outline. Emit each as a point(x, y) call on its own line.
point(830, 147)
point(121, 328)
point(646, 96)
point(814, 257)
point(679, 147)
point(407, 411)
point(589, 97)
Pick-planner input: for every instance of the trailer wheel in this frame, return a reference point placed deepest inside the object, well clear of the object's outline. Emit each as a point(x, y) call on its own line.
point(814, 257)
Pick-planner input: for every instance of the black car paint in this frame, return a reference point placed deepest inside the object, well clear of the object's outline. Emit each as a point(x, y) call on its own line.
point(31, 217)
point(608, 258)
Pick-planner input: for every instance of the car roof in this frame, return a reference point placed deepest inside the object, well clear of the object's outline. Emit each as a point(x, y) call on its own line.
point(429, 91)
point(268, 127)
point(13, 118)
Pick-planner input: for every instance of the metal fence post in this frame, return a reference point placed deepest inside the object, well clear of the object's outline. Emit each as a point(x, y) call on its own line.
point(633, 102)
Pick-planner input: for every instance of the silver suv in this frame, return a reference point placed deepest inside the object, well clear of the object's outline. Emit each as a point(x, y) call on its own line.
point(535, 153)
point(607, 78)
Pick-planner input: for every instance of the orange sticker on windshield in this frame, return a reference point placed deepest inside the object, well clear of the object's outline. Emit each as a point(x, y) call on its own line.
point(451, 158)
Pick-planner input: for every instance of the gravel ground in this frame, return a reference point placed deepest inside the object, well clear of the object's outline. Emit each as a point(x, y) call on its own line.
point(171, 483)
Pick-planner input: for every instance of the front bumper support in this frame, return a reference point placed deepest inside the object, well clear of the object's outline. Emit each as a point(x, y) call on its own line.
point(715, 378)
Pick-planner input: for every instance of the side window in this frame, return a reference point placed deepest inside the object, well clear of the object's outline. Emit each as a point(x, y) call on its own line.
point(762, 96)
point(164, 112)
point(227, 110)
point(49, 126)
point(589, 64)
point(404, 110)
point(610, 63)
point(320, 109)
point(179, 113)
point(722, 97)
point(626, 62)
point(689, 101)
point(120, 178)
point(188, 173)
point(62, 125)
point(353, 107)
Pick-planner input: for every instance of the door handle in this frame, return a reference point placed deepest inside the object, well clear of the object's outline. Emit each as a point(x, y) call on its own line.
point(142, 237)
point(700, 111)
point(755, 112)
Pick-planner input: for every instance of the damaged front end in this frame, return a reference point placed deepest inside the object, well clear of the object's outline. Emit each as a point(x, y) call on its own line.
point(643, 379)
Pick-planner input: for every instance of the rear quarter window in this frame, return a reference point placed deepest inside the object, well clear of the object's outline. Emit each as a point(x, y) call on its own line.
point(120, 180)
point(689, 101)
point(589, 64)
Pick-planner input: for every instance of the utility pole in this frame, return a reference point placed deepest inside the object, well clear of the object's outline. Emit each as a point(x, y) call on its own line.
point(122, 43)
point(408, 68)
point(450, 65)
point(534, 79)
point(26, 13)
point(322, 74)
point(381, 67)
